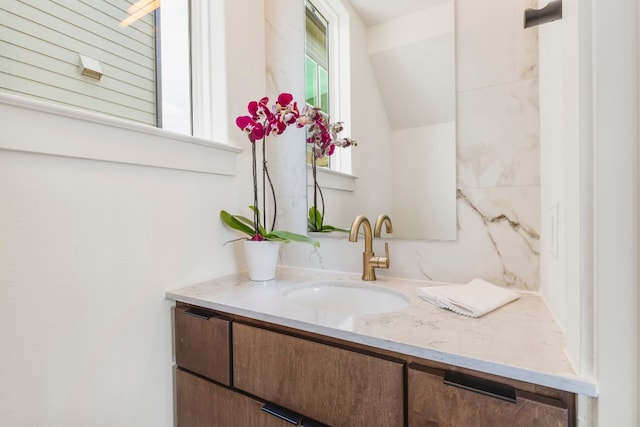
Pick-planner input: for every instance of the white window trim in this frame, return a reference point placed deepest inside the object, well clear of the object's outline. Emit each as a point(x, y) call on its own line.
point(35, 126)
point(332, 179)
point(339, 75)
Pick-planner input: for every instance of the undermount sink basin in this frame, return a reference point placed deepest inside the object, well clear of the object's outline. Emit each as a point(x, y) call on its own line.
point(347, 297)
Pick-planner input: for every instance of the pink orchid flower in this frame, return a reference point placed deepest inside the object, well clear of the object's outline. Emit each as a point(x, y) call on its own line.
point(287, 109)
point(255, 130)
point(259, 110)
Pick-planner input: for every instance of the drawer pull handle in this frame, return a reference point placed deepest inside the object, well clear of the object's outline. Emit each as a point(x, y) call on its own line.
point(282, 413)
point(480, 385)
point(198, 314)
point(307, 422)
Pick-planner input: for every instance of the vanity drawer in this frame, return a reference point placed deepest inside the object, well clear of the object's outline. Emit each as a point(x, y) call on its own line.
point(442, 398)
point(335, 386)
point(203, 403)
point(202, 342)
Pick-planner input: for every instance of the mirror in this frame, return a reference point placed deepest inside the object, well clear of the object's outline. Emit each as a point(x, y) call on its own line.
point(411, 174)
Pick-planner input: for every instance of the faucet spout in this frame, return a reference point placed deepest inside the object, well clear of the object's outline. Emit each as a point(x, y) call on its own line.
point(361, 220)
point(382, 219)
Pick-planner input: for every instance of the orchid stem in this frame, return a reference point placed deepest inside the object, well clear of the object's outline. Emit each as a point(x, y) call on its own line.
point(273, 194)
point(264, 188)
point(256, 216)
point(316, 190)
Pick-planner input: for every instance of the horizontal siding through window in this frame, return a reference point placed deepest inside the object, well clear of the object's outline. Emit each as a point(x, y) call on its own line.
point(41, 44)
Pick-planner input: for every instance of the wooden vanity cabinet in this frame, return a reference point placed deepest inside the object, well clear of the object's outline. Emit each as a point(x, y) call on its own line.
point(202, 343)
point(335, 386)
point(443, 398)
point(231, 371)
point(203, 403)
point(228, 370)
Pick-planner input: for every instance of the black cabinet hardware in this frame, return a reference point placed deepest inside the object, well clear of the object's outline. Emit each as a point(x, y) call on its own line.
point(282, 413)
point(481, 385)
point(308, 422)
point(200, 314)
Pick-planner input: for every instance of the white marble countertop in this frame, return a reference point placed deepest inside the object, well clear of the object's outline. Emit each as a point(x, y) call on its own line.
point(519, 340)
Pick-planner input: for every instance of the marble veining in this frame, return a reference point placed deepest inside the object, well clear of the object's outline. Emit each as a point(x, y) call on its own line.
point(497, 241)
point(519, 340)
point(530, 239)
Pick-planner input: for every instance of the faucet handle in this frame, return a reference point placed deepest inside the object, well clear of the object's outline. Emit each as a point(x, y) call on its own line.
point(382, 261)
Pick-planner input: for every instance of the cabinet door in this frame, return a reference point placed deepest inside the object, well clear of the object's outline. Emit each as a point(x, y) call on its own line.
point(335, 386)
point(201, 403)
point(202, 343)
point(436, 398)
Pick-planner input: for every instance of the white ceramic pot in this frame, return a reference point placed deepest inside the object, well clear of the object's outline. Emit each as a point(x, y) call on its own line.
point(262, 258)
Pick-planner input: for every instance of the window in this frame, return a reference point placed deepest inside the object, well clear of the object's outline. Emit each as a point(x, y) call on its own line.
point(316, 60)
point(327, 73)
point(316, 67)
point(78, 54)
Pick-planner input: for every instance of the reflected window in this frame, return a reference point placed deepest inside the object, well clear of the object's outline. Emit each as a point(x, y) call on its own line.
point(327, 70)
point(316, 67)
point(82, 55)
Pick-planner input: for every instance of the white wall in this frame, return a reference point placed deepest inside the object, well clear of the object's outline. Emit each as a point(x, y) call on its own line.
point(589, 139)
point(98, 219)
point(88, 249)
point(555, 203)
point(616, 213)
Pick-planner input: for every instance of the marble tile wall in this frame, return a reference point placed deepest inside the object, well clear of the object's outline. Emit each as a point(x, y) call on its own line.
point(498, 182)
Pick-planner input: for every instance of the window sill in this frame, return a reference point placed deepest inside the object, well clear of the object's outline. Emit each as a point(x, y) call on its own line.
point(332, 179)
point(44, 128)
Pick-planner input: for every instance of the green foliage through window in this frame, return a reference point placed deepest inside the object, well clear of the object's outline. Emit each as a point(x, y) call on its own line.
point(316, 66)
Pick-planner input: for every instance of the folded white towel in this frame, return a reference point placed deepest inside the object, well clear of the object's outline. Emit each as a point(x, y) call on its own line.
point(474, 299)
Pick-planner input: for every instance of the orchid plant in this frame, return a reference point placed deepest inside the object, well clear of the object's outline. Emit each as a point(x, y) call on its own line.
point(261, 122)
point(323, 137)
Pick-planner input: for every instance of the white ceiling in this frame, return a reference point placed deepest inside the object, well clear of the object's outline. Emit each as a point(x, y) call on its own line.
point(374, 12)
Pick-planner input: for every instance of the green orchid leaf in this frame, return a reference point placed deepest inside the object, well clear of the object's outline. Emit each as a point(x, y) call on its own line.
point(261, 230)
point(245, 225)
point(314, 223)
point(328, 228)
point(315, 218)
point(287, 236)
point(237, 222)
point(245, 220)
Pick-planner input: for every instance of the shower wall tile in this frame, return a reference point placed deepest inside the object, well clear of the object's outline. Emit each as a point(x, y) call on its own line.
point(492, 46)
point(497, 240)
point(284, 56)
point(284, 22)
point(498, 136)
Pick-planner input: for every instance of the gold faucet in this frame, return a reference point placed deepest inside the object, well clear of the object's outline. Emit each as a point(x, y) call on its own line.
point(369, 261)
point(382, 219)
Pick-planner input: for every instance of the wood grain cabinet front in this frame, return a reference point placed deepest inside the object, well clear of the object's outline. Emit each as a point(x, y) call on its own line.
point(232, 371)
point(450, 399)
point(335, 386)
point(202, 341)
point(202, 403)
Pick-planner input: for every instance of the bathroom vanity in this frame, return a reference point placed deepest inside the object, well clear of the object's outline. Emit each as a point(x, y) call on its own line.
point(246, 355)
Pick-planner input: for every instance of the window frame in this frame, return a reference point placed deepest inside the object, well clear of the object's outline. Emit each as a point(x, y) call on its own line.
point(338, 46)
point(106, 138)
